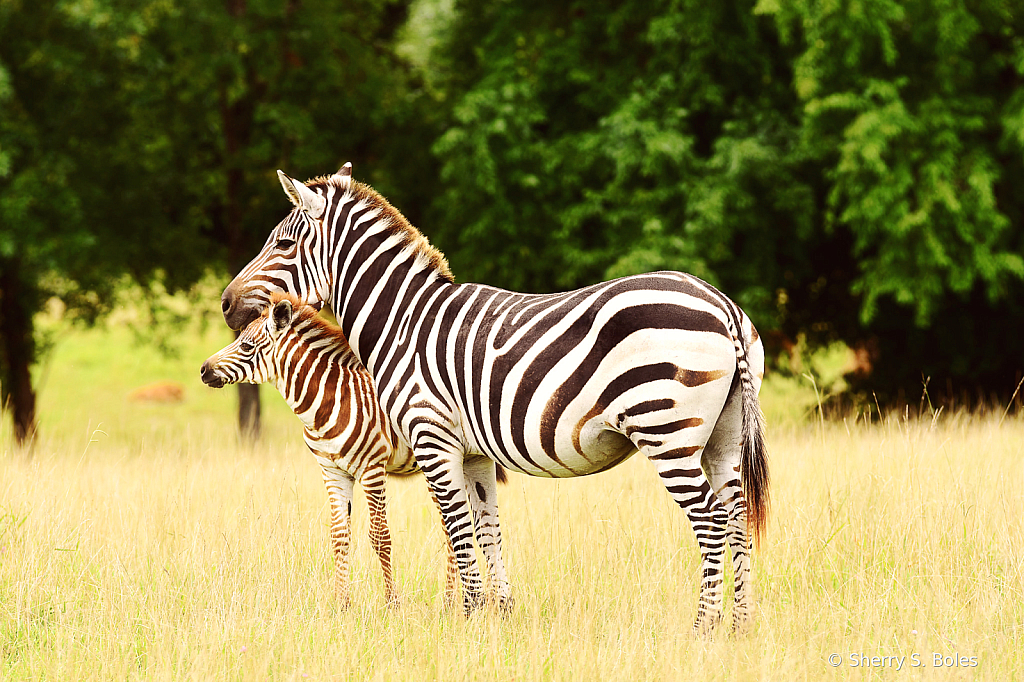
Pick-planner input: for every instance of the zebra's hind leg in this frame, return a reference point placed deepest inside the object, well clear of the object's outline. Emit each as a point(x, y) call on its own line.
point(339, 485)
point(483, 496)
point(722, 462)
point(677, 461)
point(374, 485)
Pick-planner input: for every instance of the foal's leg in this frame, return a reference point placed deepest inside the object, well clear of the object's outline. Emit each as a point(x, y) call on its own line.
point(339, 485)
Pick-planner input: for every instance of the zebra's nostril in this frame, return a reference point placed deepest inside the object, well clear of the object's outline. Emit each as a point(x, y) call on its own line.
point(224, 305)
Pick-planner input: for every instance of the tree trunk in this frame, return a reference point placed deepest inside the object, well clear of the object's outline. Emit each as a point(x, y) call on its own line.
point(248, 411)
point(18, 350)
point(236, 121)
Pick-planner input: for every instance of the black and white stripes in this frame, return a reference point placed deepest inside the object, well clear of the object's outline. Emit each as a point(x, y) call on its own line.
point(549, 385)
point(310, 363)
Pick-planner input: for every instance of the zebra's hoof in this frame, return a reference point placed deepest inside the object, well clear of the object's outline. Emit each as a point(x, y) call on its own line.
point(741, 626)
point(705, 626)
point(472, 601)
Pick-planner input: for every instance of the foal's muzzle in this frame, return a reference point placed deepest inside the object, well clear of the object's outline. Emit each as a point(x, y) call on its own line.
point(210, 377)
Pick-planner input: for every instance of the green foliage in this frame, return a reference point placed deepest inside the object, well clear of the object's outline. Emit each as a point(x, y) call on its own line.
point(582, 133)
point(139, 138)
point(58, 93)
point(845, 169)
point(229, 92)
point(905, 106)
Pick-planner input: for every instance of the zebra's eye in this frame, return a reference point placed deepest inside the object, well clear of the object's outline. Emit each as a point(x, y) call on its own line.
point(246, 347)
point(285, 243)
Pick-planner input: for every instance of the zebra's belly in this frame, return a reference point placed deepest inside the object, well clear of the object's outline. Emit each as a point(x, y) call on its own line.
point(600, 452)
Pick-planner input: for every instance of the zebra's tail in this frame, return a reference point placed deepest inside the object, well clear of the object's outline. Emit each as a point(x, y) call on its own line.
point(754, 453)
point(500, 474)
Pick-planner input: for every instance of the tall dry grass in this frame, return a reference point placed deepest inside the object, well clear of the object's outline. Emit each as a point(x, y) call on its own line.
point(186, 557)
point(141, 542)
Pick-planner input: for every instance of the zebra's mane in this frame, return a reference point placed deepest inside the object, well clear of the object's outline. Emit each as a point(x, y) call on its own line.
point(395, 222)
point(307, 316)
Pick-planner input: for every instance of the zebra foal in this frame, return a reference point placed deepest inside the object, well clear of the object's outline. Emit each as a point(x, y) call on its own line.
point(311, 364)
point(553, 385)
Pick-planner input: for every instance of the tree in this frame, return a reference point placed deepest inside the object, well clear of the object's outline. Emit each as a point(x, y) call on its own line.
point(142, 137)
point(237, 90)
point(842, 169)
point(915, 112)
point(65, 198)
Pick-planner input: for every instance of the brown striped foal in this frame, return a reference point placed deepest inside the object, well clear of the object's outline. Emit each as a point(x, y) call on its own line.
point(311, 364)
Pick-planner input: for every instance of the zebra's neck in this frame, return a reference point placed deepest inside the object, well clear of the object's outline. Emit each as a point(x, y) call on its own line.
point(380, 270)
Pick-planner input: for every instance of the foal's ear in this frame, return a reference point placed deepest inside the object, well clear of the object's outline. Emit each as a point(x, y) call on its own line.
point(302, 196)
point(281, 316)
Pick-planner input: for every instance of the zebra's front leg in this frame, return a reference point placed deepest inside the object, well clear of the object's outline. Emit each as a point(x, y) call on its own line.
point(681, 473)
point(483, 495)
point(451, 569)
point(339, 485)
point(374, 485)
point(444, 472)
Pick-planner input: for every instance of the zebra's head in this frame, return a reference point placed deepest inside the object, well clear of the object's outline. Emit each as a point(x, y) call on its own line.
point(293, 259)
point(249, 359)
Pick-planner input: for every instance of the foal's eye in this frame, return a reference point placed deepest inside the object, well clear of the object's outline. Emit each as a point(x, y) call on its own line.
point(246, 347)
point(285, 244)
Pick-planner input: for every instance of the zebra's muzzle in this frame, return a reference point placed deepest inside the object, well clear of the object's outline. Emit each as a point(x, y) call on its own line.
point(236, 314)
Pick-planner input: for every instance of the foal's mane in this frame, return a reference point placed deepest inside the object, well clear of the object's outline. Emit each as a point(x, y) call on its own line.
point(306, 314)
point(394, 221)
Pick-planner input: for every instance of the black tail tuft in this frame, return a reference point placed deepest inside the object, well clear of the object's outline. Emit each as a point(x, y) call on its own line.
point(754, 464)
point(754, 454)
point(500, 474)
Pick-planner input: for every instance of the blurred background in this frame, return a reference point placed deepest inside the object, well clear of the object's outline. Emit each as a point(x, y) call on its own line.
point(851, 172)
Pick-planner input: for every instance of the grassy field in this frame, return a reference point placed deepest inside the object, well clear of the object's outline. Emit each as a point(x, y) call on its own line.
point(142, 542)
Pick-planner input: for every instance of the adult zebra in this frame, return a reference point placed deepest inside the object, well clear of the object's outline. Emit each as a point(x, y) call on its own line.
point(309, 361)
point(546, 384)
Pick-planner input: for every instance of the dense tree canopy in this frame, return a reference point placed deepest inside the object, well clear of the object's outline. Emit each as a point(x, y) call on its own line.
point(140, 138)
point(846, 170)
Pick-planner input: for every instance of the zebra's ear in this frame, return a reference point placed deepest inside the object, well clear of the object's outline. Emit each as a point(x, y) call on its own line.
point(345, 174)
point(281, 316)
point(302, 196)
